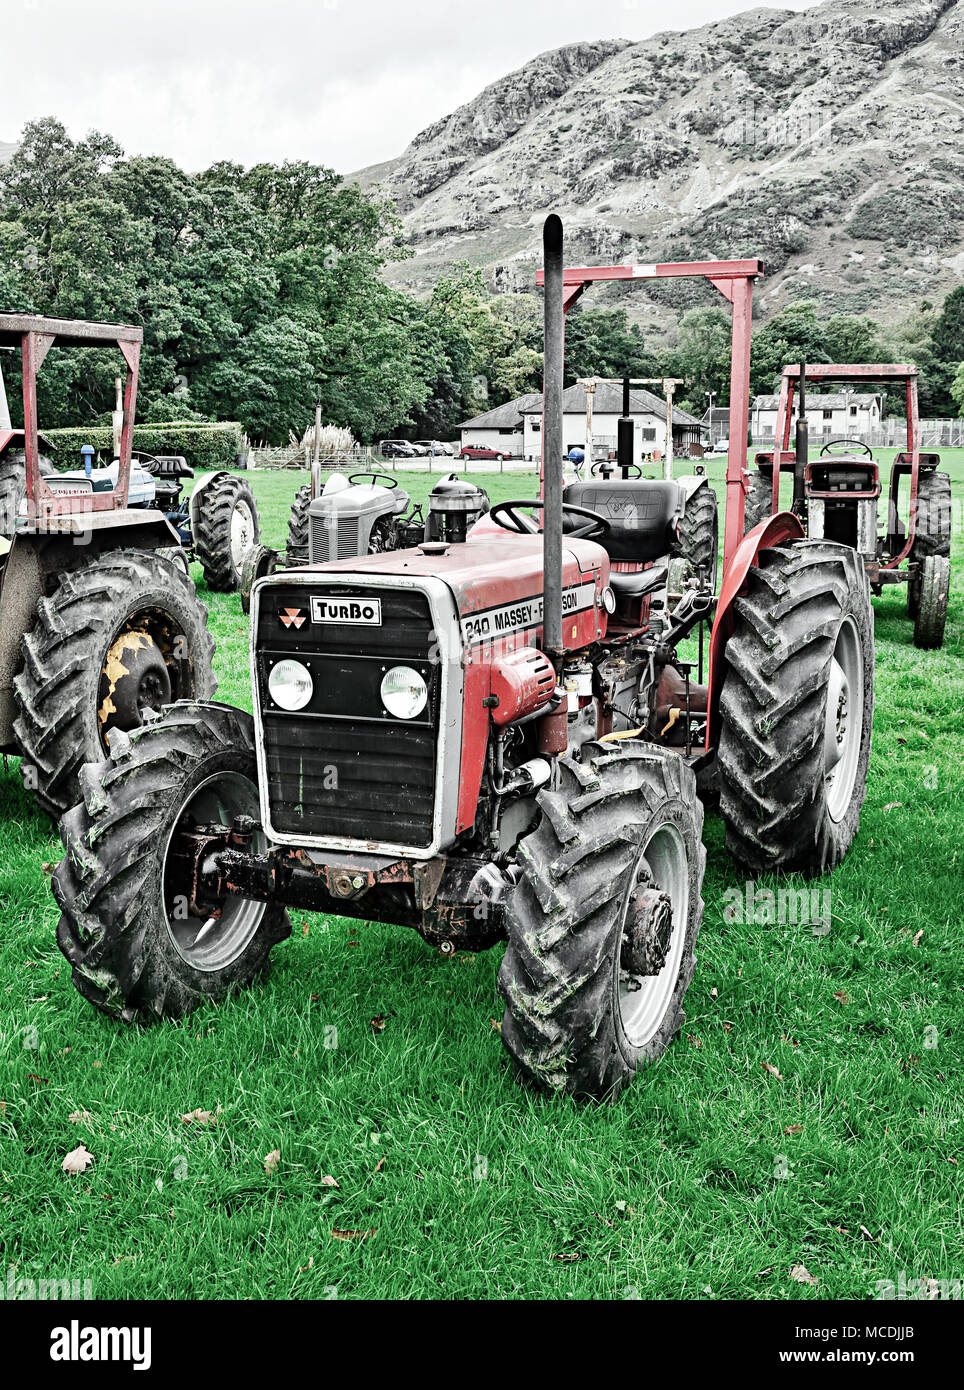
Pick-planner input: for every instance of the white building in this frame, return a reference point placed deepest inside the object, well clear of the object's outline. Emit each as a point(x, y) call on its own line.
point(839, 415)
point(516, 427)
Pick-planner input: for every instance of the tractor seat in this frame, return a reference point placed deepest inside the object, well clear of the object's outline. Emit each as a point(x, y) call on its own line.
point(166, 465)
point(643, 514)
point(638, 582)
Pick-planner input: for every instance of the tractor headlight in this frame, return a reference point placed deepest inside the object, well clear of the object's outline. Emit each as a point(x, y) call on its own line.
point(290, 684)
point(404, 692)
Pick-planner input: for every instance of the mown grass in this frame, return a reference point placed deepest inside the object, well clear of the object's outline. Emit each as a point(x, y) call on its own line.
point(711, 1178)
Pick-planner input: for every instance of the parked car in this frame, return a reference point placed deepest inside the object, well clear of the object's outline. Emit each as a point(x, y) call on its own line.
point(397, 449)
point(434, 447)
point(476, 451)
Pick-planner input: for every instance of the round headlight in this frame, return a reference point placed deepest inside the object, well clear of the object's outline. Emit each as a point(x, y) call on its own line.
point(608, 600)
point(404, 692)
point(290, 684)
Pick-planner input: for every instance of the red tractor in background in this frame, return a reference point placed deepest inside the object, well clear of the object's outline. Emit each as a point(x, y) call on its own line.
point(100, 625)
point(493, 736)
point(838, 494)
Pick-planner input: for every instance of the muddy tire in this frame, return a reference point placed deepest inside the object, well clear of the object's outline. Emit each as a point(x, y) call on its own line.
point(577, 1019)
point(698, 539)
point(134, 949)
point(758, 504)
point(796, 709)
point(120, 637)
point(13, 487)
point(933, 531)
point(298, 527)
point(225, 526)
point(932, 596)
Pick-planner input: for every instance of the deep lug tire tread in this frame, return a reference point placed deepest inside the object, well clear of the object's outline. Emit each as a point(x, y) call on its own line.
point(212, 530)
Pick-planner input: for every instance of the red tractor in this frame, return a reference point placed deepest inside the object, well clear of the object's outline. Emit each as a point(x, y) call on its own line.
point(495, 738)
point(837, 495)
point(100, 625)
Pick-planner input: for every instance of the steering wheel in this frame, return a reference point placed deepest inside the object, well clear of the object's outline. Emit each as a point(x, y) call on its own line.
point(614, 467)
point(829, 449)
point(387, 480)
point(593, 528)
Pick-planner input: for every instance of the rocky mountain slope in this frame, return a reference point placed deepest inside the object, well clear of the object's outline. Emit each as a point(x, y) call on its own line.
point(828, 142)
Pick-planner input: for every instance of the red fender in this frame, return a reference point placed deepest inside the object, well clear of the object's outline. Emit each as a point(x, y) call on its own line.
point(8, 437)
point(785, 526)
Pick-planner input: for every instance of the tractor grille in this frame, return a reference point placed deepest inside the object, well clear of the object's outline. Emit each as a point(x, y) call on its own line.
point(348, 539)
point(343, 766)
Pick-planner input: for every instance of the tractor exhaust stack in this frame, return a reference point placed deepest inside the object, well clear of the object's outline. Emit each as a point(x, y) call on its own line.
point(802, 450)
point(552, 439)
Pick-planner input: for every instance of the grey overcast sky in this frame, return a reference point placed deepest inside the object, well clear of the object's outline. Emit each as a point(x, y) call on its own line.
point(339, 82)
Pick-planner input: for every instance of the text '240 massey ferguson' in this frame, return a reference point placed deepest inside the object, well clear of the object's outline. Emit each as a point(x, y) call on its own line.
point(493, 739)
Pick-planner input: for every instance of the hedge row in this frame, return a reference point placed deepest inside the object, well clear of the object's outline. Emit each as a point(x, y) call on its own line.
point(203, 445)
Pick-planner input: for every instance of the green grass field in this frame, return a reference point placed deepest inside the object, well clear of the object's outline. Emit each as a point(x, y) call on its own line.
point(713, 1177)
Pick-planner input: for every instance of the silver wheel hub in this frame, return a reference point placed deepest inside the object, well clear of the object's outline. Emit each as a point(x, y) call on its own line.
point(655, 916)
point(843, 720)
point(242, 532)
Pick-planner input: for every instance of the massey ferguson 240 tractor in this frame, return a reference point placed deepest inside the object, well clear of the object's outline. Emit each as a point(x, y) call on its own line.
point(99, 625)
point(495, 739)
point(838, 495)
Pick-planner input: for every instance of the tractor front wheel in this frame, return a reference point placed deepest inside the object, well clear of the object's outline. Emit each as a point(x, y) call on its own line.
point(698, 536)
point(225, 526)
point(603, 920)
point(120, 637)
point(796, 709)
point(139, 945)
point(298, 527)
point(932, 590)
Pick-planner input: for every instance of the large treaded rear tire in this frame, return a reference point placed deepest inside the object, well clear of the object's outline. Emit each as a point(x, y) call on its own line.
point(774, 790)
point(932, 595)
point(560, 976)
point(114, 928)
point(13, 487)
point(298, 526)
point(759, 500)
point(698, 537)
point(225, 504)
point(64, 689)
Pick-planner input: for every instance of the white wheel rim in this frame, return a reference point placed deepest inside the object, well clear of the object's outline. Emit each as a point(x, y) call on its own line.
point(843, 720)
point(242, 531)
point(644, 999)
point(211, 944)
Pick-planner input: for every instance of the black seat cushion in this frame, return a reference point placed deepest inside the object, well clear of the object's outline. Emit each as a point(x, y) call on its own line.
point(642, 512)
point(637, 582)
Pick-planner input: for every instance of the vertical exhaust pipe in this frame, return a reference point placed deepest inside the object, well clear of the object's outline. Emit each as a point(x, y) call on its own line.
point(552, 440)
point(802, 442)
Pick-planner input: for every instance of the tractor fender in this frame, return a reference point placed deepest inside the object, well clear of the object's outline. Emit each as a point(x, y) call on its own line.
point(692, 482)
point(18, 440)
point(784, 526)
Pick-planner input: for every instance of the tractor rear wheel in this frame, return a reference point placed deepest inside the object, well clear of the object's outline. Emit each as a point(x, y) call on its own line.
point(298, 527)
point(225, 526)
point(13, 487)
point(758, 504)
point(603, 920)
point(139, 947)
point(933, 590)
point(120, 637)
point(698, 538)
point(932, 534)
point(796, 709)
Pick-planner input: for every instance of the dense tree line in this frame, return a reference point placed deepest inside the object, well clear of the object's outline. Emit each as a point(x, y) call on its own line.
point(261, 291)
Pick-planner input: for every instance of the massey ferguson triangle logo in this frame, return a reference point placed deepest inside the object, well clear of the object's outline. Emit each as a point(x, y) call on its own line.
point(292, 617)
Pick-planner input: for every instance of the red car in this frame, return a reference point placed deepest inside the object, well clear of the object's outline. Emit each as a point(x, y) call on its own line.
point(476, 451)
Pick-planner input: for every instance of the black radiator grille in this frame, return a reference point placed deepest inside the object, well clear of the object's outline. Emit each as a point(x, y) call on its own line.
point(342, 766)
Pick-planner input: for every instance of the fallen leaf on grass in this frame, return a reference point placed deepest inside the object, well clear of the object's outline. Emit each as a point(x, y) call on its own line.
point(328, 1181)
point(842, 1230)
point(714, 993)
point(379, 1165)
point(3, 1108)
point(79, 1117)
point(496, 1024)
point(769, 1067)
point(203, 1117)
point(272, 1160)
point(604, 1219)
point(78, 1160)
point(47, 869)
point(801, 1275)
point(793, 1129)
point(867, 1236)
point(893, 805)
point(692, 1038)
point(841, 996)
point(378, 1023)
point(353, 1235)
point(949, 1159)
point(918, 937)
point(569, 1257)
point(727, 1027)
point(791, 1042)
point(304, 929)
